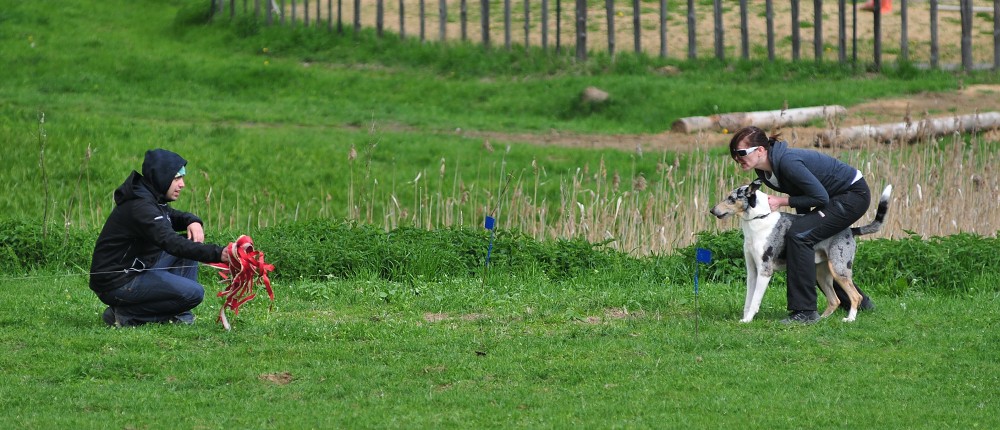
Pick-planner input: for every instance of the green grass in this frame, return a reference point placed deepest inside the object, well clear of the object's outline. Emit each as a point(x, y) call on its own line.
point(116, 78)
point(528, 353)
point(614, 346)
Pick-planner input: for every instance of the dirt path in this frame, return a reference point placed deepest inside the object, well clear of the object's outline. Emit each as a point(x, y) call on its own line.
point(969, 100)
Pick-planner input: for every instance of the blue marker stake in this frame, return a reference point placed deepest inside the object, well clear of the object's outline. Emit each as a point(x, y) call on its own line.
point(490, 225)
point(701, 256)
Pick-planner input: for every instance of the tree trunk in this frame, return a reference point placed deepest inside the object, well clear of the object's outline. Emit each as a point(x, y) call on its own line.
point(909, 132)
point(762, 119)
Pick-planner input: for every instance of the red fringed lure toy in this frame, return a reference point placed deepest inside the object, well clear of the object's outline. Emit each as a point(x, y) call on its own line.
point(246, 268)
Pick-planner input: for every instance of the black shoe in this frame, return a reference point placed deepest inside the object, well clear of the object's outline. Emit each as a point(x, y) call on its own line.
point(866, 305)
point(183, 318)
point(801, 317)
point(110, 317)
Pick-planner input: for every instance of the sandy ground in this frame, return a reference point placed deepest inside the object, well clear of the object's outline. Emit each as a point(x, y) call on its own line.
point(858, 26)
point(918, 30)
point(969, 100)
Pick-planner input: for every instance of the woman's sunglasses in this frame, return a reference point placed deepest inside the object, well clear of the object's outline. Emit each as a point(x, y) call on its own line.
point(743, 152)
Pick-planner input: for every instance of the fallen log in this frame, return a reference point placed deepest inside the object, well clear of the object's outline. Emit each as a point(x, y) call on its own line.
point(763, 119)
point(910, 131)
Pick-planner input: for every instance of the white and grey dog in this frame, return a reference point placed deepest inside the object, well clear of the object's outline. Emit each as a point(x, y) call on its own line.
point(764, 246)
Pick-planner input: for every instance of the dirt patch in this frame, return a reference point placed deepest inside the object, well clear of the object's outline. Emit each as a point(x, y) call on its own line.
point(968, 100)
point(280, 378)
point(433, 317)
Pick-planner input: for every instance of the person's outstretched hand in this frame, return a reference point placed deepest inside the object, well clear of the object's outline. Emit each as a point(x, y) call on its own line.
point(196, 232)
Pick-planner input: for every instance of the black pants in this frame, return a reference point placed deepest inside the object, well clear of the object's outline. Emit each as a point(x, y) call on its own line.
point(811, 228)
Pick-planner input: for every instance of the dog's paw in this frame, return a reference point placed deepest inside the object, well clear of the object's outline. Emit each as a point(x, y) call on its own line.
point(746, 320)
point(848, 319)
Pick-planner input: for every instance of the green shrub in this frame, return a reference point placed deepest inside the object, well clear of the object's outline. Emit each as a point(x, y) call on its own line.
point(331, 249)
point(193, 12)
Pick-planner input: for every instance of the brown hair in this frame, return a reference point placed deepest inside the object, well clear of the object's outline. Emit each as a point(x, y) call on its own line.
point(753, 136)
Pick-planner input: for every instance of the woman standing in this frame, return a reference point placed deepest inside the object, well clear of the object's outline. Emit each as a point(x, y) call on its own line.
point(830, 194)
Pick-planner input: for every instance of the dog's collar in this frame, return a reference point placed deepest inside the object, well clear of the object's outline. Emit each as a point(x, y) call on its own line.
point(762, 216)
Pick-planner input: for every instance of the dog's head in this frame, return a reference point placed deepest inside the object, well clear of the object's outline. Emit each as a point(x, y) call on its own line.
point(742, 200)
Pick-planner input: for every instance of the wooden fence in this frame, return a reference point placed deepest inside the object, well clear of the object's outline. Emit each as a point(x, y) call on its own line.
point(955, 34)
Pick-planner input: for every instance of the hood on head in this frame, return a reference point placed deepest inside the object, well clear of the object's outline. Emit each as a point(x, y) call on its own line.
point(160, 167)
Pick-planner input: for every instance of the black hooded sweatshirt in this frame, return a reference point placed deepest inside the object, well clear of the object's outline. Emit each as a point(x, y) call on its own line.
point(142, 225)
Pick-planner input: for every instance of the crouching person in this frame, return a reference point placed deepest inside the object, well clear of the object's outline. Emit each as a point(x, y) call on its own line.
point(142, 268)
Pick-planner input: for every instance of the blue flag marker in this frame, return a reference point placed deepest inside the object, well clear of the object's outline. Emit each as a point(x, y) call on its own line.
point(490, 224)
point(702, 256)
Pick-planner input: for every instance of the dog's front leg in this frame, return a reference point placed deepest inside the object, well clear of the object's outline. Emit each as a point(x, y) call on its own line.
point(758, 295)
point(751, 286)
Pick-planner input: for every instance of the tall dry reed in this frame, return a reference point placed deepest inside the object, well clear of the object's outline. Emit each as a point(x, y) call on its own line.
point(941, 187)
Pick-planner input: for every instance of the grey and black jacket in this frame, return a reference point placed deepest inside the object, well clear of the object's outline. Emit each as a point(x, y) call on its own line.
point(808, 177)
point(142, 225)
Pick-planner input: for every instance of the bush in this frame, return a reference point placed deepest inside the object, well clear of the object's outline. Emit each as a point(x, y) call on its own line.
point(193, 13)
point(324, 248)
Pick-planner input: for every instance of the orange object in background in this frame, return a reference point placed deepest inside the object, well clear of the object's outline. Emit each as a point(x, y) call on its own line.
point(886, 6)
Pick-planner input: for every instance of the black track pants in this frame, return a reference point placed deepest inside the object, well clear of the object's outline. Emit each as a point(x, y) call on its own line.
point(811, 228)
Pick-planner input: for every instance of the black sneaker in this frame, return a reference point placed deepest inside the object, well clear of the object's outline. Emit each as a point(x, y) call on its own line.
point(801, 317)
point(110, 317)
point(183, 318)
point(866, 305)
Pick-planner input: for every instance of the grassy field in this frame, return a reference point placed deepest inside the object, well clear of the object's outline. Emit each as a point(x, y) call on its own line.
point(282, 126)
point(527, 354)
point(269, 118)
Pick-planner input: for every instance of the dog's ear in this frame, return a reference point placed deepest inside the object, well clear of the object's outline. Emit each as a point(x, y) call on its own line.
point(755, 185)
point(752, 197)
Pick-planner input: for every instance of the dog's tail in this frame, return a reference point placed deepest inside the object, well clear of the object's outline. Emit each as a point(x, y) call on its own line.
point(883, 209)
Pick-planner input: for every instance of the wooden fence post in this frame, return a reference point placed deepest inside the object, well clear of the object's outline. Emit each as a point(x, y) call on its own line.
point(340, 21)
point(796, 39)
point(379, 16)
point(692, 42)
point(818, 30)
point(545, 25)
point(506, 24)
point(442, 19)
point(305, 14)
point(527, 23)
point(842, 31)
point(581, 30)
point(966, 14)
point(878, 34)
point(485, 22)
point(294, 11)
point(609, 7)
point(663, 28)
point(558, 26)
point(935, 54)
point(357, 16)
point(744, 31)
point(904, 43)
point(318, 20)
point(637, 25)
point(463, 11)
point(422, 22)
point(402, 21)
